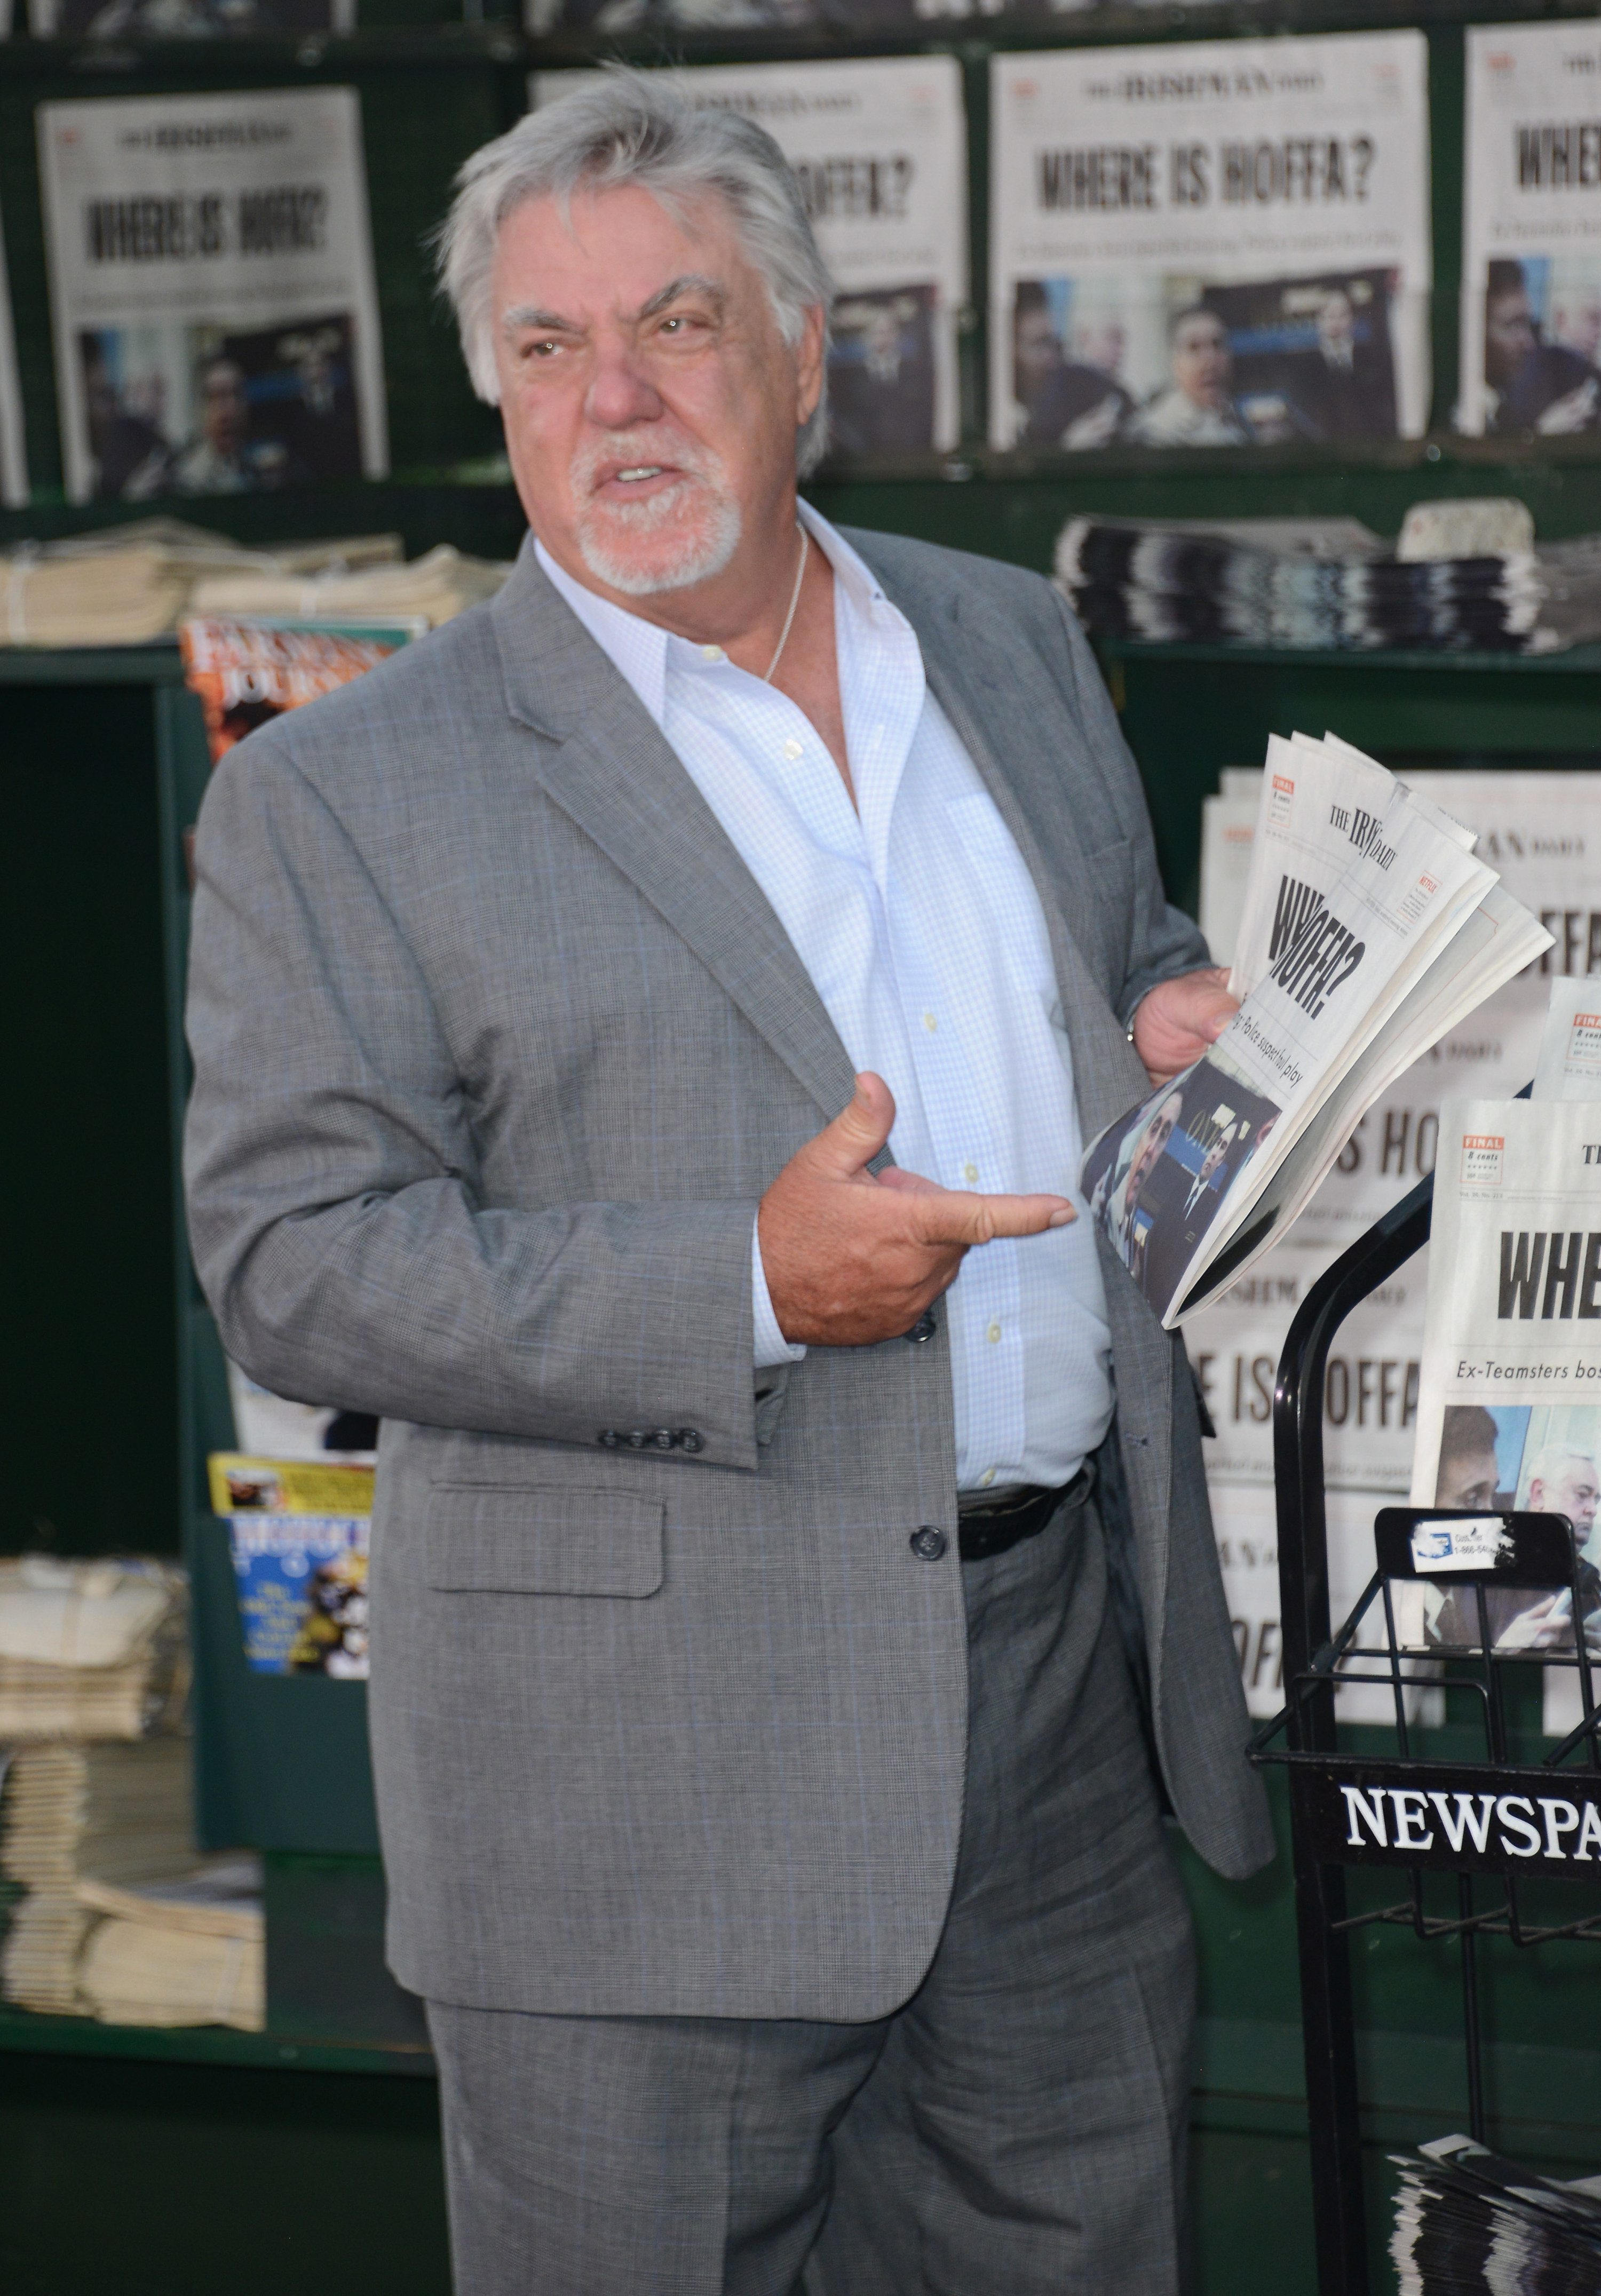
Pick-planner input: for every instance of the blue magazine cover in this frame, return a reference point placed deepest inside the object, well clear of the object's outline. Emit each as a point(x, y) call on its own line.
point(302, 1581)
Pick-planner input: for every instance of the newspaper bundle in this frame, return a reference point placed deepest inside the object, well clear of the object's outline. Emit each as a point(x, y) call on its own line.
point(1216, 243)
point(1530, 316)
point(1468, 2220)
point(879, 148)
point(1327, 585)
point(1369, 930)
point(212, 292)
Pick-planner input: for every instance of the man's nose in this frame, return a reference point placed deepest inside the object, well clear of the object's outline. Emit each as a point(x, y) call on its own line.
point(619, 393)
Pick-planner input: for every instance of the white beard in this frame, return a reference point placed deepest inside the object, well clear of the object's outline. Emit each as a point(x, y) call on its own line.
point(694, 540)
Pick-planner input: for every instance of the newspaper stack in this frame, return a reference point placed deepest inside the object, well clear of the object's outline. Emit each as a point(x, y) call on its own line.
point(1369, 931)
point(190, 1951)
point(90, 1649)
point(132, 583)
point(1318, 584)
point(1468, 2223)
point(119, 1813)
point(435, 587)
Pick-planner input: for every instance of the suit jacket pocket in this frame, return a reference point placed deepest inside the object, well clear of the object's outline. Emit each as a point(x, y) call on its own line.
point(502, 1538)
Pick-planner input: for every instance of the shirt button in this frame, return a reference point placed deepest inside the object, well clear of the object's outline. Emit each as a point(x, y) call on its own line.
point(987, 1476)
point(929, 1023)
point(928, 1542)
point(993, 1334)
point(711, 654)
point(791, 748)
point(970, 1173)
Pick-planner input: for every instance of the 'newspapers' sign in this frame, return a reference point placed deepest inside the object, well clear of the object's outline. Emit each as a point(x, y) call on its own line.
point(1448, 1818)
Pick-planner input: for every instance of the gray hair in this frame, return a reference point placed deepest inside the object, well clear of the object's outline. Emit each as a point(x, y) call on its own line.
point(1547, 1465)
point(622, 126)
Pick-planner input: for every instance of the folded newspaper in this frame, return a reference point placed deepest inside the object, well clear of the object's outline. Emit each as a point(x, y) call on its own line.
point(1369, 931)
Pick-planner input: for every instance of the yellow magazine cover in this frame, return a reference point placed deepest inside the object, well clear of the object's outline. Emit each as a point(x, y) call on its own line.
point(241, 1484)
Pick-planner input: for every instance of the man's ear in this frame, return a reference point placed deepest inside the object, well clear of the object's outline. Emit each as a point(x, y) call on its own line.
point(810, 364)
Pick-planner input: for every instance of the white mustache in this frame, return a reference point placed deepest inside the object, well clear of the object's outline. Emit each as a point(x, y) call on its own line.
point(598, 458)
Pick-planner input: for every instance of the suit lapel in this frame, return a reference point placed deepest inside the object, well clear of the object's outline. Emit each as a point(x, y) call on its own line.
point(604, 761)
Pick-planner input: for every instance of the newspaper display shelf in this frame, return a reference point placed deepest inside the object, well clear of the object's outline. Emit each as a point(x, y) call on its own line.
point(1498, 1827)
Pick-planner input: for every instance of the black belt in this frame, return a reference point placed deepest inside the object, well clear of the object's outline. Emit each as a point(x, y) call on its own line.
point(987, 1527)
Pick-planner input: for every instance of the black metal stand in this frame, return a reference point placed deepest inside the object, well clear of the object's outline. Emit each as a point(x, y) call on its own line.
point(1413, 1814)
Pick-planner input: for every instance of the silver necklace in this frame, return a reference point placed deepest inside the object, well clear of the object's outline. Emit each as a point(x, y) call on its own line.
point(794, 600)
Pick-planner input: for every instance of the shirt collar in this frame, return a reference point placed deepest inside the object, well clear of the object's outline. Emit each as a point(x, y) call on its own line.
point(643, 652)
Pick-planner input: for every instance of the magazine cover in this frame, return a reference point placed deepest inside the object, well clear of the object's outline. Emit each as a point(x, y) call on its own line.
point(1530, 356)
point(1210, 244)
point(302, 1585)
point(212, 293)
point(879, 147)
point(240, 1482)
point(247, 673)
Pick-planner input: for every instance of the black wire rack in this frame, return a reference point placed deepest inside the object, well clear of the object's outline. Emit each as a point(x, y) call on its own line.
point(1493, 1824)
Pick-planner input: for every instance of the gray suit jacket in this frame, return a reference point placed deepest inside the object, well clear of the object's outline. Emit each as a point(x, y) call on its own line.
point(498, 1043)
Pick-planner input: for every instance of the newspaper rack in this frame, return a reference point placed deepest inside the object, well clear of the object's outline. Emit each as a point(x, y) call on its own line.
point(1490, 1824)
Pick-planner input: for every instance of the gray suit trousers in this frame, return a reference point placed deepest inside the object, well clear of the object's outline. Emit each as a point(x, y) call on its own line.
point(1017, 2124)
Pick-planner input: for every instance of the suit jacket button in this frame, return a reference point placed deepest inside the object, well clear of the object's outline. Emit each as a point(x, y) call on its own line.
point(928, 1542)
point(691, 1439)
point(607, 1438)
point(923, 1329)
point(637, 1439)
point(664, 1439)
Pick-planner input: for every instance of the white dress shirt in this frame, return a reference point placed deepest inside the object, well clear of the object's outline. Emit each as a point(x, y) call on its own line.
point(923, 933)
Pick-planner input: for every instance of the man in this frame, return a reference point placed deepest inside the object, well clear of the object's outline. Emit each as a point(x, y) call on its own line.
point(1467, 1473)
point(223, 459)
point(1561, 1479)
point(765, 1814)
point(131, 460)
point(1531, 385)
point(1196, 408)
point(1345, 389)
point(1146, 1159)
point(1060, 402)
point(882, 402)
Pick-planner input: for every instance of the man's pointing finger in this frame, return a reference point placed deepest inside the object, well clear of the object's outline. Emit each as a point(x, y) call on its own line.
point(953, 1216)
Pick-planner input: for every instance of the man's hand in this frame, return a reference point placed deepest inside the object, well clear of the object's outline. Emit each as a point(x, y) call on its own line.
point(1178, 1018)
point(850, 1258)
point(1574, 411)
